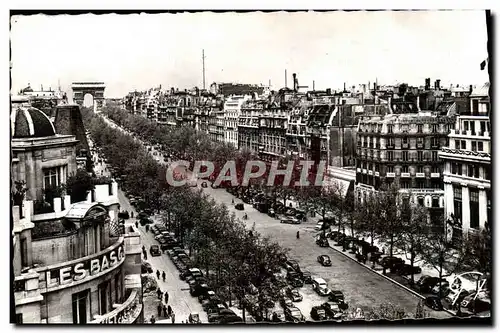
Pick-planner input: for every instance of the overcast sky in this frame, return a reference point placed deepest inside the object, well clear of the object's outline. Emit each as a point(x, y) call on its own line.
point(130, 52)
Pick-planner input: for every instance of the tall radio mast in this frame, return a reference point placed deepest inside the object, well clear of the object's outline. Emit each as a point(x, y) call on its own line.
point(203, 60)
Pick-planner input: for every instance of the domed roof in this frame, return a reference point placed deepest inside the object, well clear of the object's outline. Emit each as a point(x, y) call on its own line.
point(28, 122)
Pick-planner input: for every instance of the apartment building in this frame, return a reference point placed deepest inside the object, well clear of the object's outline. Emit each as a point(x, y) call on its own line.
point(467, 167)
point(232, 110)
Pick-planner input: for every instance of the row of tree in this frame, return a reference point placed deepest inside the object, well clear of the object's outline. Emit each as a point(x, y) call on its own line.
point(401, 224)
point(233, 258)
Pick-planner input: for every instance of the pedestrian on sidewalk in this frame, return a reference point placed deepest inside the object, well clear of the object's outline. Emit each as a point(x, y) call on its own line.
point(169, 309)
point(152, 320)
point(132, 214)
point(145, 255)
point(173, 318)
point(165, 313)
point(166, 297)
point(136, 225)
point(157, 274)
point(160, 309)
point(163, 276)
point(159, 293)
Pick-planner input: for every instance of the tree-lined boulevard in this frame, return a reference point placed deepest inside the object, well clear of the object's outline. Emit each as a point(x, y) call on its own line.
point(239, 252)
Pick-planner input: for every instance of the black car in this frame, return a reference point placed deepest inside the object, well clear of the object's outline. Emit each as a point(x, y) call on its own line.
point(293, 314)
point(426, 283)
point(198, 289)
point(434, 303)
point(389, 262)
point(154, 250)
point(322, 241)
point(307, 277)
point(294, 265)
point(336, 296)
point(406, 269)
point(332, 309)
point(239, 206)
point(318, 313)
point(296, 282)
point(146, 267)
point(324, 260)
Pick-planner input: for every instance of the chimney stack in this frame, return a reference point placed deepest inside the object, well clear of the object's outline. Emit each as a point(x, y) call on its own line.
point(295, 85)
point(470, 88)
point(344, 86)
point(437, 84)
point(428, 84)
point(286, 86)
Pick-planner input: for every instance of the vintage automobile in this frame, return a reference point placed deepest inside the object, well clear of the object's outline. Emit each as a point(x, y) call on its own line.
point(154, 250)
point(318, 313)
point(194, 318)
point(293, 314)
point(324, 260)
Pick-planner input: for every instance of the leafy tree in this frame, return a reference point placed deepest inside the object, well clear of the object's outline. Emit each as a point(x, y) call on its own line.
point(440, 253)
point(478, 251)
point(390, 229)
point(414, 230)
point(79, 185)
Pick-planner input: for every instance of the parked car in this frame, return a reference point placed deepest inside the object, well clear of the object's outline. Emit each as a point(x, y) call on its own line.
point(426, 283)
point(194, 318)
point(294, 295)
point(209, 294)
point(271, 212)
point(320, 286)
point(190, 272)
point(434, 303)
point(198, 289)
point(307, 277)
point(445, 289)
point(239, 206)
point(318, 313)
point(286, 302)
point(332, 310)
point(278, 316)
point(324, 260)
point(336, 296)
point(293, 314)
point(322, 241)
point(406, 269)
point(289, 220)
point(319, 226)
point(296, 282)
point(294, 265)
point(334, 235)
point(154, 250)
point(388, 262)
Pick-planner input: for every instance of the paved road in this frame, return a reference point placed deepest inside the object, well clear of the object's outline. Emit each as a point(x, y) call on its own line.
point(362, 288)
point(180, 300)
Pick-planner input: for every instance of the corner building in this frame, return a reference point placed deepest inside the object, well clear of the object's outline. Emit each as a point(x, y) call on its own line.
point(467, 168)
point(403, 148)
point(72, 261)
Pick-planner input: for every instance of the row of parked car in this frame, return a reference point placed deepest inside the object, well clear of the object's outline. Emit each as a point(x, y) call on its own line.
point(217, 310)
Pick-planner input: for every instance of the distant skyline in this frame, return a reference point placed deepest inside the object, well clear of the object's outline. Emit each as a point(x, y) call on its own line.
point(140, 51)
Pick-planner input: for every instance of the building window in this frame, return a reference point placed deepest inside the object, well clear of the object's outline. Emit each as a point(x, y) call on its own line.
point(474, 208)
point(474, 146)
point(457, 202)
point(389, 129)
point(79, 303)
point(435, 202)
point(480, 146)
point(390, 168)
point(404, 169)
point(390, 156)
point(103, 300)
point(434, 155)
point(405, 140)
point(420, 128)
point(118, 288)
point(405, 155)
point(463, 144)
point(421, 201)
point(457, 144)
point(405, 183)
point(51, 177)
point(420, 155)
point(420, 169)
point(488, 208)
point(24, 252)
point(434, 128)
point(19, 318)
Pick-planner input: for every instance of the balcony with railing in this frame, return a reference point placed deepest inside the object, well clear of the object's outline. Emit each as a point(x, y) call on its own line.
point(130, 311)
